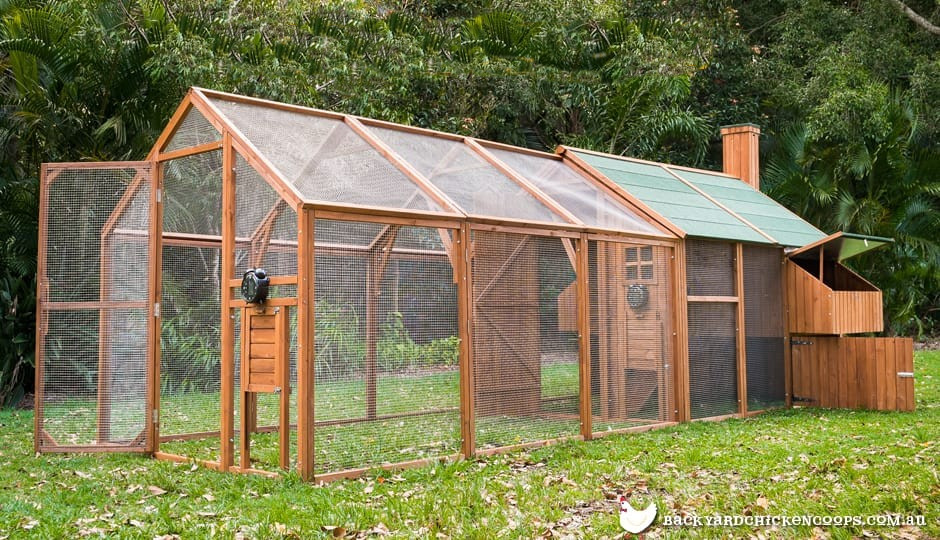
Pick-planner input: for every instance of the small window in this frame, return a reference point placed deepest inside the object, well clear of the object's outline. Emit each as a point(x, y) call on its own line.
point(639, 263)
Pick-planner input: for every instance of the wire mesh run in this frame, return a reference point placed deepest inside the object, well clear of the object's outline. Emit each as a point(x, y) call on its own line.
point(709, 268)
point(764, 327)
point(525, 365)
point(386, 372)
point(194, 130)
point(95, 315)
point(713, 386)
point(631, 335)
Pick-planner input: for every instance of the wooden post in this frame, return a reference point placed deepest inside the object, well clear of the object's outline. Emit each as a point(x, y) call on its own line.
point(104, 339)
point(155, 295)
point(787, 358)
point(741, 335)
point(584, 334)
point(463, 256)
point(683, 409)
point(306, 348)
point(244, 402)
point(227, 331)
point(40, 305)
point(282, 331)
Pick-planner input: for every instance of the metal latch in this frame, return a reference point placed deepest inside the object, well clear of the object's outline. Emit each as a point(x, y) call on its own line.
point(156, 309)
point(800, 342)
point(906, 374)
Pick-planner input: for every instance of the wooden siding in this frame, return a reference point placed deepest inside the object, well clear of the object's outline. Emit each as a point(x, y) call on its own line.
point(853, 372)
point(814, 308)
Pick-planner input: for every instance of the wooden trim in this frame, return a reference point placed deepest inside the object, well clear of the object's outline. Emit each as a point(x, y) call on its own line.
point(517, 149)
point(236, 283)
point(155, 295)
point(245, 397)
point(259, 472)
point(414, 218)
point(351, 474)
point(39, 385)
point(531, 188)
point(718, 418)
point(77, 306)
point(525, 446)
point(410, 129)
point(247, 150)
point(683, 410)
point(176, 458)
point(306, 349)
point(282, 301)
point(531, 231)
point(227, 331)
point(93, 449)
point(728, 299)
point(406, 168)
point(190, 151)
point(463, 271)
point(587, 171)
point(741, 339)
point(173, 125)
point(583, 291)
point(237, 98)
point(634, 429)
point(647, 162)
point(125, 200)
point(787, 347)
point(62, 166)
point(632, 239)
point(719, 204)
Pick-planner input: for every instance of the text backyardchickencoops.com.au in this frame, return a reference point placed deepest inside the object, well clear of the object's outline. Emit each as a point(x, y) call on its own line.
point(881, 520)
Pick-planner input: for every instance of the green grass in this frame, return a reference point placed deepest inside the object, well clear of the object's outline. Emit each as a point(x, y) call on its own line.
point(794, 462)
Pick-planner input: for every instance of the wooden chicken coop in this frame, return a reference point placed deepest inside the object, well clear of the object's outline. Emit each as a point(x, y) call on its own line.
point(280, 287)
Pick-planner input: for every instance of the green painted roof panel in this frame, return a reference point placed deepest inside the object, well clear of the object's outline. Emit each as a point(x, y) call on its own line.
point(765, 213)
point(673, 199)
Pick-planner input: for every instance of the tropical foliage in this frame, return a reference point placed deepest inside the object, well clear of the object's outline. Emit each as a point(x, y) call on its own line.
point(847, 94)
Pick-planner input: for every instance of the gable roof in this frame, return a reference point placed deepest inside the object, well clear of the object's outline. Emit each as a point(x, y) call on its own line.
point(704, 204)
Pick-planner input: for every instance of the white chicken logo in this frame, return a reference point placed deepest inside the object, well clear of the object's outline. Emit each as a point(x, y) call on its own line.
point(636, 521)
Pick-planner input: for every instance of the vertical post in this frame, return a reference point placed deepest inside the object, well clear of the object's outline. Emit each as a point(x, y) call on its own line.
point(282, 331)
point(227, 391)
point(463, 255)
point(822, 253)
point(306, 349)
point(681, 334)
point(244, 402)
point(741, 331)
point(155, 296)
point(584, 335)
point(40, 301)
point(787, 358)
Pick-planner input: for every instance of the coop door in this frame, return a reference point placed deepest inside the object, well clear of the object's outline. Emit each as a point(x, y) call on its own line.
point(95, 320)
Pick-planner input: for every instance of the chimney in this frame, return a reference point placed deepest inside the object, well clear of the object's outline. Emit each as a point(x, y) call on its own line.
point(739, 144)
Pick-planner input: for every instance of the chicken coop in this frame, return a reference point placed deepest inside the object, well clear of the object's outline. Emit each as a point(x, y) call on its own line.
point(277, 287)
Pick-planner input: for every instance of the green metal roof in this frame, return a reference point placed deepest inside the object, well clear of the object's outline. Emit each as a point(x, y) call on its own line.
point(766, 214)
point(673, 199)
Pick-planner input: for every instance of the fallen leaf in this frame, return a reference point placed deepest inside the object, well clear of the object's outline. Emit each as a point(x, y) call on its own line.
point(154, 490)
point(762, 502)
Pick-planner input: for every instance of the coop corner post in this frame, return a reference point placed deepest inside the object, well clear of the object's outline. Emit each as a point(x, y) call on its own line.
point(681, 334)
point(741, 336)
point(584, 336)
point(40, 300)
point(463, 256)
point(155, 294)
point(227, 391)
point(787, 358)
point(306, 350)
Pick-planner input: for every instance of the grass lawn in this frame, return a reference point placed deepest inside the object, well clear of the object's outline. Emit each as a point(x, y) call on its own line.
point(795, 462)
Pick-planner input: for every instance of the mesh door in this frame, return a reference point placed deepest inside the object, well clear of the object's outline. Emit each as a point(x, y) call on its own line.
point(525, 363)
point(387, 380)
point(94, 314)
point(713, 387)
point(763, 327)
point(631, 335)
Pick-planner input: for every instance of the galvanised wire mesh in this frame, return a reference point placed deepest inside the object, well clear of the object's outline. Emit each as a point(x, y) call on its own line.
point(190, 368)
point(193, 130)
point(631, 335)
point(525, 365)
point(764, 327)
point(713, 386)
point(586, 201)
point(95, 311)
point(386, 372)
point(473, 184)
point(324, 158)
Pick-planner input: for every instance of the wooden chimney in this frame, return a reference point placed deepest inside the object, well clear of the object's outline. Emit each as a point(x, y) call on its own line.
point(740, 152)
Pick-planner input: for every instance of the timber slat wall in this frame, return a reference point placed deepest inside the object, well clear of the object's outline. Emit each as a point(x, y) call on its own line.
point(853, 372)
point(814, 308)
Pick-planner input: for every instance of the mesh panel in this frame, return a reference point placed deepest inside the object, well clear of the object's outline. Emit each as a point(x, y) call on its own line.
point(324, 158)
point(709, 268)
point(526, 366)
point(192, 194)
point(763, 327)
point(587, 202)
point(94, 354)
point(713, 386)
point(407, 332)
point(631, 335)
point(190, 369)
point(476, 186)
point(192, 131)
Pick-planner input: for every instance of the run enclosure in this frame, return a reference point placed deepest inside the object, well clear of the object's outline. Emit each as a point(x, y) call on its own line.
point(432, 296)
